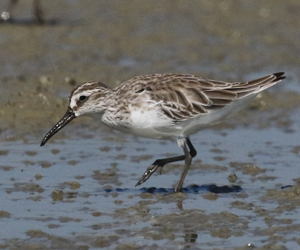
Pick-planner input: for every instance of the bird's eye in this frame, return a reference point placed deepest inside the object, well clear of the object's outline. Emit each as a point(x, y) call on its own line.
point(83, 98)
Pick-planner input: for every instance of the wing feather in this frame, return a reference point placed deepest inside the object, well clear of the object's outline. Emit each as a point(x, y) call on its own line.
point(185, 96)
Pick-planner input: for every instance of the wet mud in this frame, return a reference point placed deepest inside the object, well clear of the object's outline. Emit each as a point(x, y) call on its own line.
point(78, 191)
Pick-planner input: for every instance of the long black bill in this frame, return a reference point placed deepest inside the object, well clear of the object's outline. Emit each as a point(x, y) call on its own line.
point(69, 116)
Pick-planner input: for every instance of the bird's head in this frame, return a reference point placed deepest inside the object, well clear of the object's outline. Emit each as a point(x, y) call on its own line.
point(86, 99)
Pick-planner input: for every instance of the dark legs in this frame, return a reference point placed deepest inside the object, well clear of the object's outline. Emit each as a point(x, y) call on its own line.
point(37, 11)
point(186, 145)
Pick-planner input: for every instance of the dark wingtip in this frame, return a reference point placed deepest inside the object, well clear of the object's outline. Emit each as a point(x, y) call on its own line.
point(279, 76)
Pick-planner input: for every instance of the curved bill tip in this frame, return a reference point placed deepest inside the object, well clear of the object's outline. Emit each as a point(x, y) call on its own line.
point(69, 116)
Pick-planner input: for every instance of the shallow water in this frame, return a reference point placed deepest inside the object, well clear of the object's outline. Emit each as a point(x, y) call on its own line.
point(78, 191)
point(82, 192)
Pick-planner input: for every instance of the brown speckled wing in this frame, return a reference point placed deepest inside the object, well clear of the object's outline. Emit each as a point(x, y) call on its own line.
point(185, 96)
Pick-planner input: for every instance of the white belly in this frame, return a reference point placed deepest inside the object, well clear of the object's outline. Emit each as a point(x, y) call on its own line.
point(148, 120)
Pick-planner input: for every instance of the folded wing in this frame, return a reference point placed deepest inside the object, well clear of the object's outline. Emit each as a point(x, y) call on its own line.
point(185, 96)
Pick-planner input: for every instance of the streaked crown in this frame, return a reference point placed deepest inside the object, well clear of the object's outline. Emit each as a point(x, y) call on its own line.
point(88, 98)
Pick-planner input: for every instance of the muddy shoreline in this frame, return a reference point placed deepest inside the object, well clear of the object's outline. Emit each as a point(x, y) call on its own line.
point(56, 196)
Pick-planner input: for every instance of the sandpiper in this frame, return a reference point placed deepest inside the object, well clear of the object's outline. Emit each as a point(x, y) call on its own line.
point(162, 106)
point(38, 12)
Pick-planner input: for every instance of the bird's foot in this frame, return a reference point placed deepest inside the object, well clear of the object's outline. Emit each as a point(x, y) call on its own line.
point(150, 170)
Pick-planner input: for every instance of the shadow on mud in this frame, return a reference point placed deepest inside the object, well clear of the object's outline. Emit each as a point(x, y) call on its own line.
point(193, 189)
